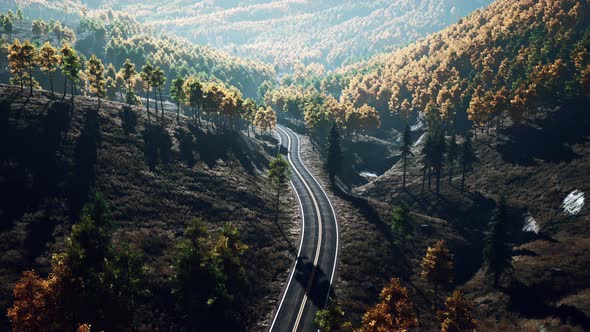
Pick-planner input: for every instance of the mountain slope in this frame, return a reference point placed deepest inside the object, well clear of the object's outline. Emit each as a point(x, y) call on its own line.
point(51, 163)
point(536, 166)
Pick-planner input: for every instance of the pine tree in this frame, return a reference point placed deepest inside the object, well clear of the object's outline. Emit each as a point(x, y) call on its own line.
point(401, 222)
point(177, 94)
point(249, 108)
point(438, 156)
point(279, 174)
point(331, 318)
point(70, 66)
point(147, 72)
point(8, 25)
point(48, 61)
point(20, 17)
point(437, 267)
point(193, 91)
point(128, 73)
point(16, 64)
point(452, 155)
point(333, 161)
point(28, 57)
point(394, 311)
point(497, 254)
point(427, 150)
point(95, 75)
point(158, 80)
point(406, 152)
point(459, 314)
point(467, 159)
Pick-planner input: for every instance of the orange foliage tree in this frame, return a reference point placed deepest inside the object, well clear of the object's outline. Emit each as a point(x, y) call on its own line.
point(458, 316)
point(394, 312)
point(437, 267)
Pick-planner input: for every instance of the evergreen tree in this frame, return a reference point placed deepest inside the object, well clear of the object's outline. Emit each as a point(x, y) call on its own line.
point(452, 155)
point(16, 64)
point(279, 174)
point(459, 314)
point(426, 151)
point(147, 72)
point(333, 161)
point(28, 57)
point(158, 80)
point(48, 61)
point(497, 254)
point(95, 75)
point(128, 73)
point(8, 25)
point(70, 66)
point(193, 91)
point(249, 108)
point(331, 318)
point(177, 94)
point(467, 159)
point(401, 222)
point(437, 267)
point(20, 17)
point(406, 152)
point(438, 156)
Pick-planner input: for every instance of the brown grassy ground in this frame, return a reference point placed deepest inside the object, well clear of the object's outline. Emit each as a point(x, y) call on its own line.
point(40, 187)
point(535, 165)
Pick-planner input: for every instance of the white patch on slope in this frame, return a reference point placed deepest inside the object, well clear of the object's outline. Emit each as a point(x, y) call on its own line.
point(573, 203)
point(420, 140)
point(530, 224)
point(368, 175)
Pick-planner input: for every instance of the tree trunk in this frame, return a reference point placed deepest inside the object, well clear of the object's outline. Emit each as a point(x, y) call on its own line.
point(31, 79)
point(438, 171)
point(463, 178)
point(177, 112)
point(147, 102)
point(404, 174)
point(429, 177)
point(423, 178)
point(277, 209)
point(51, 84)
point(451, 175)
point(161, 104)
point(434, 300)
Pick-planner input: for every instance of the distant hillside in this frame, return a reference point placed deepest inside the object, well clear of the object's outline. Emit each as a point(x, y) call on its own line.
point(499, 61)
point(51, 162)
point(287, 32)
point(115, 36)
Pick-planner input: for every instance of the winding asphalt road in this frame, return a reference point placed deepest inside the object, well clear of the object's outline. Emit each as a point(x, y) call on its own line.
point(310, 281)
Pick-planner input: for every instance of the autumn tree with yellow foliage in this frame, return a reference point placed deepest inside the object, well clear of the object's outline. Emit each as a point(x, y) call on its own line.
point(437, 267)
point(459, 314)
point(394, 311)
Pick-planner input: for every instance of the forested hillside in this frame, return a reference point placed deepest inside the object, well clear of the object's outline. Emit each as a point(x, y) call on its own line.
point(131, 221)
point(115, 36)
point(502, 61)
point(286, 33)
point(137, 189)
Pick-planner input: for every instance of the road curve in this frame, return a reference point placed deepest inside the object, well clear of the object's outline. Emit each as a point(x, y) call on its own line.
point(310, 281)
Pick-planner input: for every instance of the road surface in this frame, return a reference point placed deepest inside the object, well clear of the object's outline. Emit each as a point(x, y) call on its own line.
point(309, 284)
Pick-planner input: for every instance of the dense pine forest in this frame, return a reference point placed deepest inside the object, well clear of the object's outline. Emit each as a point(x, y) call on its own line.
point(143, 184)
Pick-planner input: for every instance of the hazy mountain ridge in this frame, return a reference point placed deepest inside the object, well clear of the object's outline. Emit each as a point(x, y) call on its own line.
point(288, 32)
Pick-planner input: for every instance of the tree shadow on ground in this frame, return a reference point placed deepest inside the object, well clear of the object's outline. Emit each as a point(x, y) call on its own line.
point(212, 147)
point(321, 281)
point(548, 139)
point(82, 178)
